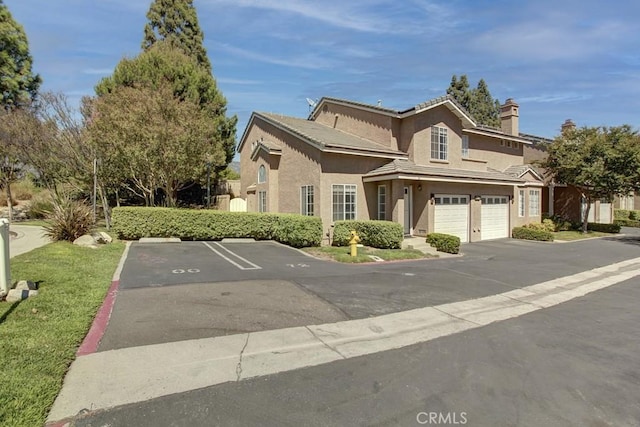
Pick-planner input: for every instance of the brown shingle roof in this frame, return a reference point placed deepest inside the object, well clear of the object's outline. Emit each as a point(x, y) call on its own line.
point(325, 136)
point(408, 167)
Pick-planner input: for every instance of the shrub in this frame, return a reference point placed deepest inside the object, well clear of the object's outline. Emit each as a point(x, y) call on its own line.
point(621, 214)
point(444, 242)
point(528, 233)
point(40, 205)
point(68, 220)
point(295, 230)
point(634, 215)
point(377, 234)
point(604, 228)
point(627, 223)
point(545, 225)
point(24, 189)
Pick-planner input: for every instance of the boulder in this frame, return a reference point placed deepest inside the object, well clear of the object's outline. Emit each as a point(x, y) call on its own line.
point(87, 241)
point(106, 237)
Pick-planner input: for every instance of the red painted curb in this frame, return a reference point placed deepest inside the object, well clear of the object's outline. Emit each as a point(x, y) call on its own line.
point(91, 341)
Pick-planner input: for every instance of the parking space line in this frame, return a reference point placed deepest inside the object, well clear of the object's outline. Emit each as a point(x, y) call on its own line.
point(252, 265)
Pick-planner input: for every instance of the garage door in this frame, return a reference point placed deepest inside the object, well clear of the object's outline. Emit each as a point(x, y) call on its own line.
point(494, 217)
point(452, 215)
point(605, 213)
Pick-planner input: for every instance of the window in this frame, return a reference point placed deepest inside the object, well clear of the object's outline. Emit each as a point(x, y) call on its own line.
point(262, 174)
point(306, 200)
point(465, 146)
point(262, 201)
point(344, 202)
point(438, 143)
point(534, 202)
point(521, 203)
point(382, 202)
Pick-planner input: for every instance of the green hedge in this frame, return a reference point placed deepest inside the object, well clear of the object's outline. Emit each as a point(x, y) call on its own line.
point(528, 233)
point(624, 214)
point(295, 230)
point(377, 234)
point(444, 242)
point(604, 228)
point(627, 223)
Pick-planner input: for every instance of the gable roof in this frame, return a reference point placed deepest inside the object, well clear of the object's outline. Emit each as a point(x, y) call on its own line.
point(323, 137)
point(445, 100)
point(521, 170)
point(406, 169)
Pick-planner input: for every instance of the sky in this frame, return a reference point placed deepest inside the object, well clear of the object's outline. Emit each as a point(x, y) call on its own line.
point(557, 59)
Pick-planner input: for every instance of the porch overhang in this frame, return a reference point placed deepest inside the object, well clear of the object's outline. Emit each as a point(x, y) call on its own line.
point(432, 178)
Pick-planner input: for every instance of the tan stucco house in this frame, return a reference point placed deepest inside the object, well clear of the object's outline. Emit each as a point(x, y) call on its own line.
point(431, 168)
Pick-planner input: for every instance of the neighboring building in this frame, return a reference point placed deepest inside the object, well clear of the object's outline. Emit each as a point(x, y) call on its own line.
point(430, 168)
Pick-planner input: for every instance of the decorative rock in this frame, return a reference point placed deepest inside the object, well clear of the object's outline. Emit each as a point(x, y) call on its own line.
point(16, 295)
point(106, 237)
point(26, 285)
point(87, 241)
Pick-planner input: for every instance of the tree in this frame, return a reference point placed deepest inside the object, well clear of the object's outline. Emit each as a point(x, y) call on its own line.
point(18, 87)
point(478, 102)
point(176, 22)
point(600, 162)
point(158, 140)
point(484, 108)
point(18, 84)
point(165, 66)
point(459, 90)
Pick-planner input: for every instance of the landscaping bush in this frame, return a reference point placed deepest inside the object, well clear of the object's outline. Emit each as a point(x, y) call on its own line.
point(295, 230)
point(377, 234)
point(627, 223)
point(444, 242)
point(623, 214)
point(40, 205)
point(69, 220)
point(604, 228)
point(545, 225)
point(528, 233)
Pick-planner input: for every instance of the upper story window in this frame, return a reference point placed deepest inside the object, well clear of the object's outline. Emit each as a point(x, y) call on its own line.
point(439, 143)
point(465, 146)
point(262, 174)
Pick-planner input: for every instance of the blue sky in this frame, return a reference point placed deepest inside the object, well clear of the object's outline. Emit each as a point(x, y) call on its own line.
point(558, 59)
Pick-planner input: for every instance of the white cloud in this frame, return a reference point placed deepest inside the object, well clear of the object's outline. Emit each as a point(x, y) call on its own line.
point(309, 61)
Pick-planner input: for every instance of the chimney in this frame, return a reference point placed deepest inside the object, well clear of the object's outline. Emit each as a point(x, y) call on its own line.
point(509, 117)
point(567, 126)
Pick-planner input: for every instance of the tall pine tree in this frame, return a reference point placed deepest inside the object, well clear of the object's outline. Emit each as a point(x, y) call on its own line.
point(478, 101)
point(18, 84)
point(176, 22)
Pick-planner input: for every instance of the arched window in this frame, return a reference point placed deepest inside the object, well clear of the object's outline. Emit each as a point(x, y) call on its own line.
point(262, 174)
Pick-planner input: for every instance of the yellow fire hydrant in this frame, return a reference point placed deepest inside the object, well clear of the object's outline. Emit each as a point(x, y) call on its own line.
point(354, 243)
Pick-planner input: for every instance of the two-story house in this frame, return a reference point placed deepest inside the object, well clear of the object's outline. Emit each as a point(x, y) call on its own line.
point(430, 168)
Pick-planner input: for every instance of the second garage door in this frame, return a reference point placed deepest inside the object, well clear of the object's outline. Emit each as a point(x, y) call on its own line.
point(494, 217)
point(452, 215)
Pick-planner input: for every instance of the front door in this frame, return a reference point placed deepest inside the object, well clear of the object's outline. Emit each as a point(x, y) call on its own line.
point(408, 210)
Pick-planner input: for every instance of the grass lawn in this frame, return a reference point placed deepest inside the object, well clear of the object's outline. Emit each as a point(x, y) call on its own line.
point(343, 254)
point(39, 336)
point(578, 235)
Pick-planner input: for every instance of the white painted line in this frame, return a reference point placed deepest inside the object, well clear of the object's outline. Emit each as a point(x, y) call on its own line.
point(253, 266)
point(117, 377)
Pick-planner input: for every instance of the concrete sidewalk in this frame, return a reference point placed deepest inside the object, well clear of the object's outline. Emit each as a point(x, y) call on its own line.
point(420, 243)
point(117, 377)
point(25, 238)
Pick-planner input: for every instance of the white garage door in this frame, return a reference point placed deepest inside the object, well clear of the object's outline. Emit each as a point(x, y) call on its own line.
point(452, 215)
point(605, 213)
point(494, 217)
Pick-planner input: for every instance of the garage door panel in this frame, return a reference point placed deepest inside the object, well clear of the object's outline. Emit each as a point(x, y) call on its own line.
point(452, 215)
point(494, 217)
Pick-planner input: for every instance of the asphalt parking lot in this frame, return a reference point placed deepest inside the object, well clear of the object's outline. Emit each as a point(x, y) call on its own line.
point(176, 291)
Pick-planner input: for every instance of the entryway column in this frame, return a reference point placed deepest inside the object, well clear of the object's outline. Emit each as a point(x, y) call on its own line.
point(397, 201)
point(551, 197)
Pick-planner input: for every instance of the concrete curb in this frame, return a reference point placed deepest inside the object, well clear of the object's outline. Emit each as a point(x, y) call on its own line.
point(160, 240)
point(113, 378)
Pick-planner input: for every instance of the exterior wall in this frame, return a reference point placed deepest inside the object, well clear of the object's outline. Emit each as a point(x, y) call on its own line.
point(342, 169)
point(567, 203)
point(284, 177)
point(533, 153)
point(483, 151)
point(366, 124)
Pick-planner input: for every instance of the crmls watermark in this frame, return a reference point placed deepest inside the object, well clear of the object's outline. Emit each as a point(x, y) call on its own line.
point(441, 418)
